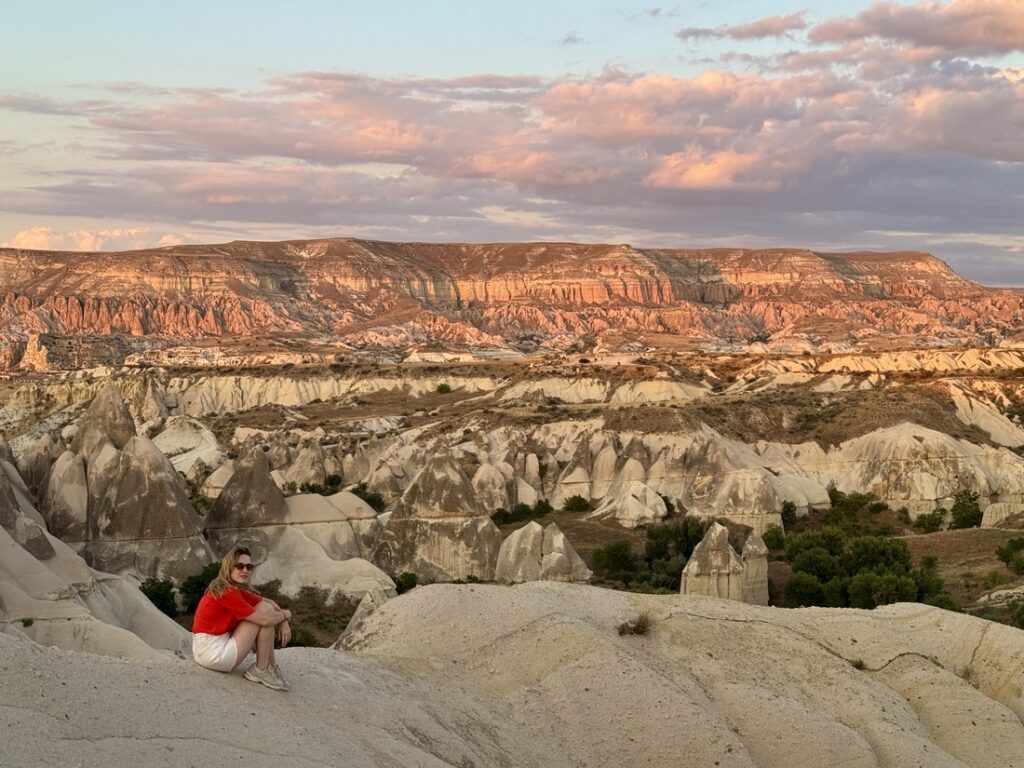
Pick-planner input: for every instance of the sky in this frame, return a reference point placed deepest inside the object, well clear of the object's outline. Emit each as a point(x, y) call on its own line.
point(832, 126)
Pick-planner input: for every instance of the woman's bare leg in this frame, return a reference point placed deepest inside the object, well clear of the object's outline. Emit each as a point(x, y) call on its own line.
point(245, 636)
point(265, 647)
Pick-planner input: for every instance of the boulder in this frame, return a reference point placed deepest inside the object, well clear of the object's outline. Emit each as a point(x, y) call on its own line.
point(214, 484)
point(560, 561)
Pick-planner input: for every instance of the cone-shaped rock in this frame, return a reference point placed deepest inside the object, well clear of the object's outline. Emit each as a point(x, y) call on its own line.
point(437, 529)
point(532, 553)
point(714, 568)
point(519, 558)
point(144, 524)
point(560, 561)
point(108, 417)
point(66, 502)
point(250, 497)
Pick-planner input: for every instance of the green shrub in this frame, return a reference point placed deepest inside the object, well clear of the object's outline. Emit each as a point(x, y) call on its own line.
point(788, 513)
point(372, 498)
point(931, 522)
point(965, 512)
point(443, 389)
point(576, 504)
point(193, 587)
point(522, 512)
point(641, 625)
point(161, 593)
point(616, 562)
point(302, 637)
point(773, 537)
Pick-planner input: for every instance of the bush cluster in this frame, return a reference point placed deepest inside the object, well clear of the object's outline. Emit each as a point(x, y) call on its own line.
point(193, 588)
point(522, 512)
point(405, 581)
point(666, 551)
point(576, 504)
point(833, 568)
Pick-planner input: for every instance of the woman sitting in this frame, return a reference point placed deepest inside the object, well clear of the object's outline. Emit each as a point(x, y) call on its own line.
point(231, 619)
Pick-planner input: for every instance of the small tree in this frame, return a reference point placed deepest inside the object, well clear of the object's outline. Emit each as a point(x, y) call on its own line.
point(966, 512)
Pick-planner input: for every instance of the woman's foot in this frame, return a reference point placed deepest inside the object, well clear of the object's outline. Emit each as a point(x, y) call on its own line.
point(267, 677)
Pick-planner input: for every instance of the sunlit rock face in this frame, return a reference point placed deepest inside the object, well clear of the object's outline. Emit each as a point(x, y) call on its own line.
point(149, 304)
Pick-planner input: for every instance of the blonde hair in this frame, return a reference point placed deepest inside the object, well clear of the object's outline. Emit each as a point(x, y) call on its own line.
point(223, 582)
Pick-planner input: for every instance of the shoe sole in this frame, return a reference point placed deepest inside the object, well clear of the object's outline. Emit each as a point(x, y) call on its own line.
point(271, 685)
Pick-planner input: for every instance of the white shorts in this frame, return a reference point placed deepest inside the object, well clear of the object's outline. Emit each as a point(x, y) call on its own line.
point(216, 652)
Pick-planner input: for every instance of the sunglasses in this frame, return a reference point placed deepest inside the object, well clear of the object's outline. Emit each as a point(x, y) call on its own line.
point(244, 566)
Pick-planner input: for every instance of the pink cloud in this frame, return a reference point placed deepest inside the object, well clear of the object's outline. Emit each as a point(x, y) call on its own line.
point(694, 170)
point(114, 239)
point(975, 27)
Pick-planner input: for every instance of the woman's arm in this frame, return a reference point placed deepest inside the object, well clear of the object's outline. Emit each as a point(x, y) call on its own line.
point(267, 614)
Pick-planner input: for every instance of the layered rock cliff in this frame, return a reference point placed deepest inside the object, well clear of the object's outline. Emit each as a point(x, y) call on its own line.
point(557, 295)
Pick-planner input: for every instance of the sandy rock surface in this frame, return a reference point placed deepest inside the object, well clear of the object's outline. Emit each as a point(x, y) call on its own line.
point(537, 675)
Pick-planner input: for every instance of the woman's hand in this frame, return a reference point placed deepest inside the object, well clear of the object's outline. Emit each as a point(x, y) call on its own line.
point(284, 632)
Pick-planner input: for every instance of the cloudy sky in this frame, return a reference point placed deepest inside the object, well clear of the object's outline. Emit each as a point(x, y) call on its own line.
point(834, 126)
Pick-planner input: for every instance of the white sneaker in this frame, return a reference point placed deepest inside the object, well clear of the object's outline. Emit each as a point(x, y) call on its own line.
point(265, 676)
point(281, 678)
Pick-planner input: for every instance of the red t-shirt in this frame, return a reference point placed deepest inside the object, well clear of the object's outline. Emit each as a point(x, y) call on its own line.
point(217, 615)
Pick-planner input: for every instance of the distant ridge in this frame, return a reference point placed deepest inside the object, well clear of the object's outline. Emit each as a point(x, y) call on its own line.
point(365, 294)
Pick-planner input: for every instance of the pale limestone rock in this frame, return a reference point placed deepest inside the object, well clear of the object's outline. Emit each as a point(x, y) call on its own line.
point(287, 554)
point(144, 525)
point(635, 504)
point(308, 466)
point(352, 507)
point(533, 553)
point(218, 478)
point(34, 463)
point(100, 471)
point(249, 497)
point(755, 570)
point(185, 441)
point(519, 558)
point(560, 561)
point(5, 451)
point(525, 493)
point(490, 489)
point(714, 569)
point(996, 513)
point(58, 600)
point(603, 472)
point(369, 603)
point(66, 502)
point(107, 419)
point(437, 530)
